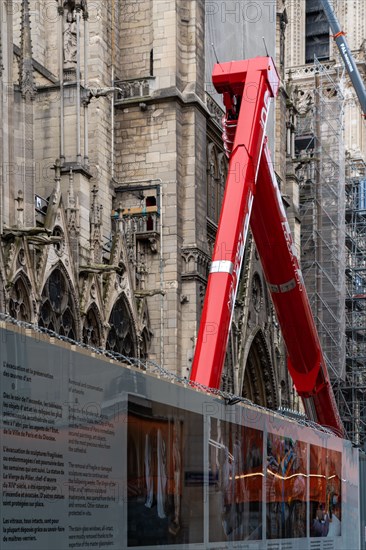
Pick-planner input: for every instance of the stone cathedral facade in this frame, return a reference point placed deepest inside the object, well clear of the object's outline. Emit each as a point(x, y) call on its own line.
point(113, 173)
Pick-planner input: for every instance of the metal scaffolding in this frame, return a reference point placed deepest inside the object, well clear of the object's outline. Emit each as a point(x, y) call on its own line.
point(320, 153)
point(351, 394)
point(333, 245)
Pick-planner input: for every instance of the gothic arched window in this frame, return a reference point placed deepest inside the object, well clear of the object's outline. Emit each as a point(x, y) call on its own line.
point(121, 334)
point(91, 328)
point(57, 311)
point(19, 304)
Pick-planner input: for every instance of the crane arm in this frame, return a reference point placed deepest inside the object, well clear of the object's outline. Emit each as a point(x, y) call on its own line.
point(252, 196)
point(346, 54)
point(247, 87)
point(272, 235)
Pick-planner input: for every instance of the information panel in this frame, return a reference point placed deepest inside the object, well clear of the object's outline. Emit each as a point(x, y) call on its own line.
point(94, 454)
point(60, 451)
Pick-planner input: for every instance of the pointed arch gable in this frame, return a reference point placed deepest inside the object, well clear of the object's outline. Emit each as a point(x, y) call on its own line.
point(91, 295)
point(117, 283)
point(60, 253)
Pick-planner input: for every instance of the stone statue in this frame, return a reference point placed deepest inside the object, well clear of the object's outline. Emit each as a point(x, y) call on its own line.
point(70, 40)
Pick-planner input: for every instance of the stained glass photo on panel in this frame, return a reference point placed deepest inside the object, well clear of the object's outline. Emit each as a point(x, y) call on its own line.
point(165, 474)
point(325, 492)
point(235, 482)
point(286, 492)
point(334, 492)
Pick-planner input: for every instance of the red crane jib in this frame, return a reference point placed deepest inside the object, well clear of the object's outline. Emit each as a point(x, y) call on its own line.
point(252, 196)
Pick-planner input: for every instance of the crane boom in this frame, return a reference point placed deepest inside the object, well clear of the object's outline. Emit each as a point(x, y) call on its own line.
point(276, 249)
point(346, 54)
point(247, 87)
point(252, 196)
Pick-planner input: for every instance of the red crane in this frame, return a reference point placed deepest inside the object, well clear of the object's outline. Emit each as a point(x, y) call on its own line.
point(252, 197)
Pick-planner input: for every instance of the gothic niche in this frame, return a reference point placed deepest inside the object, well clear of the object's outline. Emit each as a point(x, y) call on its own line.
point(216, 178)
point(19, 304)
point(57, 311)
point(257, 292)
point(60, 245)
point(70, 37)
point(91, 328)
point(121, 334)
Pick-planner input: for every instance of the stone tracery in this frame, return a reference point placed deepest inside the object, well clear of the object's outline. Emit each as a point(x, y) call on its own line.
point(92, 327)
point(121, 338)
point(58, 311)
point(19, 303)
